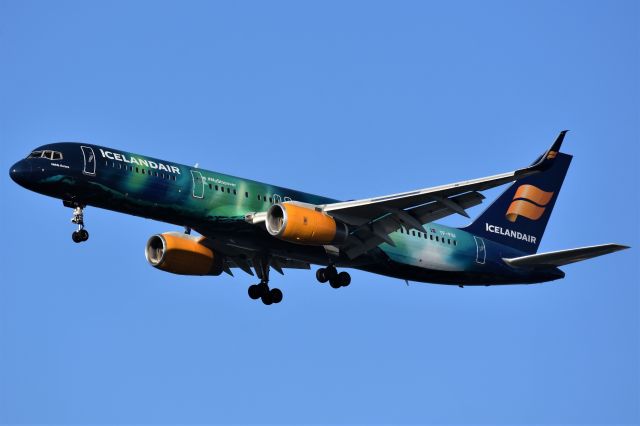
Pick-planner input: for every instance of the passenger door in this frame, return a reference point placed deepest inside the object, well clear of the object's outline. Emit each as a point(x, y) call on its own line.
point(481, 252)
point(89, 166)
point(198, 184)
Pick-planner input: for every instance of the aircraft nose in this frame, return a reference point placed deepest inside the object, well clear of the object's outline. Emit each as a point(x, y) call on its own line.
point(20, 172)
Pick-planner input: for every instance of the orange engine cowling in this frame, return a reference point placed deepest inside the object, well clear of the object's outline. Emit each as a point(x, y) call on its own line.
point(302, 225)
point(182, 254)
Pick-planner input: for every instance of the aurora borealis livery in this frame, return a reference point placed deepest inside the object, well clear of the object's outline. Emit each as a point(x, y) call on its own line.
point(255, 227)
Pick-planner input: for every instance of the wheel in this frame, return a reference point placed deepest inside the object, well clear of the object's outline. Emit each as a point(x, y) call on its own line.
point(276, 295)
point(344, 279)
point(267, 299)
point(76, 237)
point(333, 282)
point(264, 288)
point(321, 275)
point(331, 272)
point(255, 291)
point(84, 234)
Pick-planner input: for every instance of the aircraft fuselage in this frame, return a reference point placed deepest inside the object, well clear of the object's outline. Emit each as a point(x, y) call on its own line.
point(215, 205)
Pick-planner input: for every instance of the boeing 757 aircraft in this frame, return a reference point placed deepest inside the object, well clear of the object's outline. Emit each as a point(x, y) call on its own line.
point(255, 227)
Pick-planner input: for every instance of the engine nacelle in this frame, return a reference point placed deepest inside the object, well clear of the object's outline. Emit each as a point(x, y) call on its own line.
point(182, 254)
point(302, 225)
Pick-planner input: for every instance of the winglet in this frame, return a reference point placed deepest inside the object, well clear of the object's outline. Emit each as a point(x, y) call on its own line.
point(546, 159)
point(558, 143)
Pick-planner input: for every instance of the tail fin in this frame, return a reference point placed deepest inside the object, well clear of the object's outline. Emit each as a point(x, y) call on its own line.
point(519, 216)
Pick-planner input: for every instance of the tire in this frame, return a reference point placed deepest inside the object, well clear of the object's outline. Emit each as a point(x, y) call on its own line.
point(334, 283)
point(254, 291)
point(331, 272)
point(84, 234)
point(344, 279)
point(266, 299)
point(76, 237)
point(276, 295)
point(321, 275)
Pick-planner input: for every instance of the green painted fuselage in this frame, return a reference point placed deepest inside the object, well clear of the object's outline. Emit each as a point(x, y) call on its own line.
point(215, 205)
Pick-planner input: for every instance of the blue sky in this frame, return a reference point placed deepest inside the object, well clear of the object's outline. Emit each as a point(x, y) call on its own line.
point(347, 99)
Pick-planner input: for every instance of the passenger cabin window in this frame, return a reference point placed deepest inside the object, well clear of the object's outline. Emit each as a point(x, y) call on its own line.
point(246, 195)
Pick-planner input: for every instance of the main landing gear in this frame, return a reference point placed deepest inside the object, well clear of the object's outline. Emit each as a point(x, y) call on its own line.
point(262, 290)
point(78, 218)
point(336, 279)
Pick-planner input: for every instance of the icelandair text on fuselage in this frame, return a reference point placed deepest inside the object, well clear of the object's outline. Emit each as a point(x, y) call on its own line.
point(139, 161)
point(510, 233)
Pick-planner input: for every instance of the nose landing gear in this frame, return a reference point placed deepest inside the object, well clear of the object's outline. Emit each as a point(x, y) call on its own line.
point(78, 218)
point(336, 279)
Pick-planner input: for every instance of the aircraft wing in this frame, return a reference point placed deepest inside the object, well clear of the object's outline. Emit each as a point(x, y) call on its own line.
point(375, 218)
point(563, 257)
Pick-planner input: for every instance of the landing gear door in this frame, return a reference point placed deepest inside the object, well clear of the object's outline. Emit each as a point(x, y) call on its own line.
point(198, 184)
point(481, 252)
point(89, 167)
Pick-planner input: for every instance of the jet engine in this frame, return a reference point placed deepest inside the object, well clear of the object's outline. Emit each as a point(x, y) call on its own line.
point(302, 225)
point(182, 254)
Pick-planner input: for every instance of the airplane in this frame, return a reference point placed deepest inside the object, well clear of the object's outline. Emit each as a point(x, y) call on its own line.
point(254, 226)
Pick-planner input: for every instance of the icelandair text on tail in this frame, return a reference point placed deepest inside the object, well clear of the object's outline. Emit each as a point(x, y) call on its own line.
point(510, 233)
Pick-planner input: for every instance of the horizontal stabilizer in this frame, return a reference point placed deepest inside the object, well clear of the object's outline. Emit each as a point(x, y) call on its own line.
point(563, 257)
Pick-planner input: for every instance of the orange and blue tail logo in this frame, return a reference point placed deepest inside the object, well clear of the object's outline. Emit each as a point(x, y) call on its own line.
point(529, 201)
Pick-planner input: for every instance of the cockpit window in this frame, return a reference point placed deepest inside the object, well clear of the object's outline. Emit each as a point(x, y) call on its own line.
point(50, 155)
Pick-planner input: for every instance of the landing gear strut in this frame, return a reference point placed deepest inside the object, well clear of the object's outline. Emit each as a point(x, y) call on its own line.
point(78, 218)
point(262, 290)
point(336, 279)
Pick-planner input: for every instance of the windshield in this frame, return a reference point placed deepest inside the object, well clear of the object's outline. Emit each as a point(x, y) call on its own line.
point(50, 155)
